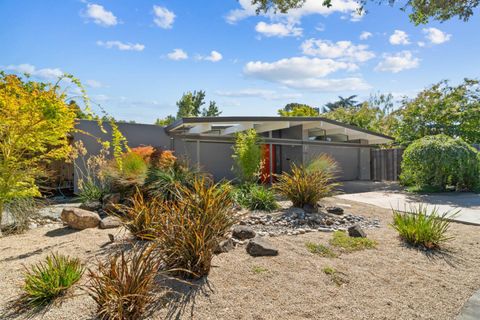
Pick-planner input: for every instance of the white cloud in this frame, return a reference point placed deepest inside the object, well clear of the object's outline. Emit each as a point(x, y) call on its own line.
point(259, 93)
point(398, 62)
point(310, 7)
point(399, 37)
point(94, 84)
point(436, 36)
point(365, 35)
point(177, 54)
point(121, 45)
point(100, 16)
point(295, 68)
point(278, 30)
point(45, 73)
point(338, 50)
point(305, 73)
point(421, 44)
point(214, 56)
point(164, 18)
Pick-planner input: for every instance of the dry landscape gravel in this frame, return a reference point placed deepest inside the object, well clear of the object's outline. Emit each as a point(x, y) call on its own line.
point(390, 282)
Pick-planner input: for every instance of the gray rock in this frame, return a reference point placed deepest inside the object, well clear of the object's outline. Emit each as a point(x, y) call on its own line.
point(356, 232)
point(224, 246)
point(110, 222)
point(309, 208)
point(258, 247)
point(295, 212)
point(80, 219)
point(335, 210)
point(91, 205)
point(243, 232)
point(110, 201)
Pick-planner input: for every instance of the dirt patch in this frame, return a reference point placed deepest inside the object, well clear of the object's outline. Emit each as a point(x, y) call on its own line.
point(389, 282)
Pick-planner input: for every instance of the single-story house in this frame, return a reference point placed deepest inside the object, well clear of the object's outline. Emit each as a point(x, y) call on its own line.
point(207, 142)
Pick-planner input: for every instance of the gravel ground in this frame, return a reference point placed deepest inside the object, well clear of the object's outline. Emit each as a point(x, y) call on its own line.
point(390, 282)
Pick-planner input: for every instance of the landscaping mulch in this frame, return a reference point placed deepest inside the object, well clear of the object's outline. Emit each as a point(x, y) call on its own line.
point(391, 281)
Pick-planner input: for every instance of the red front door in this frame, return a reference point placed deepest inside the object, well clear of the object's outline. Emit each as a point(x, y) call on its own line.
point(268, 157)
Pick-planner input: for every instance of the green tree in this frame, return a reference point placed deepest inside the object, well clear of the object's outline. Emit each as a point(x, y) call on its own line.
point(72, 104)
point(165, 121)
point(247, 155)
point(190, 103)
point(342, 102)
point(212, 110)
point(441, 108)
point(298, 110)
point(421, 11)
point(35, 122)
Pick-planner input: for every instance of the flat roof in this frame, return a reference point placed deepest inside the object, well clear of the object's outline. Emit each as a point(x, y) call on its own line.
point(230, 125)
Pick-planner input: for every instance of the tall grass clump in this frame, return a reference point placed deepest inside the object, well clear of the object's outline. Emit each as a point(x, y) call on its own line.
point(163, 181)
point(306, 185)
point(420, 229)
point(141, 216)
point(122, 285)
point(49, 279)
point(255, 197)
point(191, 227)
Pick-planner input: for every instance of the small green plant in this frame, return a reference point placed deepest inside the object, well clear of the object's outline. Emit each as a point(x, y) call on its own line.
point(305, 186)
point(21, 211)
point(191, 227)
point(90, 191)
point(259, 269)
point(339, 278)
point(122, 286)
point(50, 279)
point(255, 197)
point(141, 216)
point(320, 249)
point(341, 240)
point(420, 228)
point(247, 155)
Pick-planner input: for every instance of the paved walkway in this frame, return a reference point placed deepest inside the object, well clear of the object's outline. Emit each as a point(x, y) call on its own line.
point(471, 309)
point(467, 203)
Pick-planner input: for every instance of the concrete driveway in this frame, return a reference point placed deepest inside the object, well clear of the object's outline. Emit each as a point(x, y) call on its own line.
point(390, 195)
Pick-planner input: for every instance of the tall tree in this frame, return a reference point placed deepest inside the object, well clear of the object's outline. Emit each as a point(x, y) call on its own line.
point(212, 110)
point(421, 11)
point(35, 122)
point(298, 110)
point(342, 102)
point(441, 108)
point(165, 121)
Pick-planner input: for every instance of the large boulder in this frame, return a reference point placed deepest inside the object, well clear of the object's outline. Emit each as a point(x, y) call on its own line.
point(258, 247)
point(80, 219)
point(243, 232)
point(110, 222)
point(224, 246)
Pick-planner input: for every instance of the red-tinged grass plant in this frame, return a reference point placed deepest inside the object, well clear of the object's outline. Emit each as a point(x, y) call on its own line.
point(191, 227)
point(141, 216)
point(122, 286)
point(144, 151)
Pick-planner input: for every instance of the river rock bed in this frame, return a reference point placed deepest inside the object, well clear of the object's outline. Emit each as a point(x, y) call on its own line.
point(294, 221)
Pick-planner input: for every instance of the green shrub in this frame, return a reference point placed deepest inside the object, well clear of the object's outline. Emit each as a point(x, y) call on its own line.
point(50, 279)
point(320, 249)
point(126, 174)
point(20, 211)
point(435, 162)
point(421, 229)
point(247, 155)
point(164, 182)
point(255, 197)
point(122, 285)
point(141, 216)
point(190, 228)
point(342, 240)
point(305, 186)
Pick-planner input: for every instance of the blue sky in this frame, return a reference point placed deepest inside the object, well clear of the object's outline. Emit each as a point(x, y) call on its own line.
point(136, 58)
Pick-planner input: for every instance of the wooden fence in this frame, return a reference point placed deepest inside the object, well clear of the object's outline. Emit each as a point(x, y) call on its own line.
point(385, 164)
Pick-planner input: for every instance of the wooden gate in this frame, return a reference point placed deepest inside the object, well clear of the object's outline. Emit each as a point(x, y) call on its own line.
point(385, 164)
